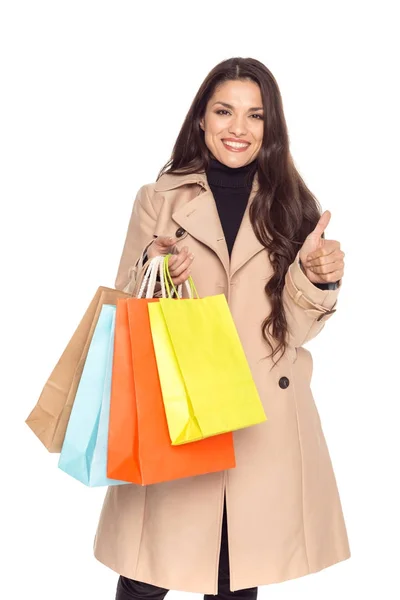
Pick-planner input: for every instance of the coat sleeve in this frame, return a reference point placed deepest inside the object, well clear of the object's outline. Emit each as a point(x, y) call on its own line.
point(139, 236)
point(307, 307)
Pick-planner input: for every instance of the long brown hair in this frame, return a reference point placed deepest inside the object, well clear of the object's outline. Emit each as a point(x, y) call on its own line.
point(283, 211)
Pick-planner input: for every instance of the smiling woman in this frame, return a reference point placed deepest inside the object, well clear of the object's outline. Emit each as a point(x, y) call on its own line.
point(237, 128)
point(237, 216)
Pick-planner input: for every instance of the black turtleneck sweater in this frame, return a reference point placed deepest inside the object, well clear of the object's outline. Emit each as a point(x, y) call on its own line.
point(231, 188)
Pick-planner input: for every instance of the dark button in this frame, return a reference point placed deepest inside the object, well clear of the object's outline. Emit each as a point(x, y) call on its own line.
point(179, 232)
point(284, 383)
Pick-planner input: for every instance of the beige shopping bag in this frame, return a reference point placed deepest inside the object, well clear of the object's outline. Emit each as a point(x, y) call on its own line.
point(49, 419)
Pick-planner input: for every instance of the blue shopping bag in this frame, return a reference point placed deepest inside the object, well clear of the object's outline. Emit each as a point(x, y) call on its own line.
point(84, 451)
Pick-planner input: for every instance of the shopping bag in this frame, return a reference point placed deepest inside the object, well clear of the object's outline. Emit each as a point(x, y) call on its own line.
point(84, 451)
point(139, 446)
point(196, 341)
point(49, 418)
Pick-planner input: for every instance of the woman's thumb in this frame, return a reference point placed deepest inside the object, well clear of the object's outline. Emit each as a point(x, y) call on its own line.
point(322, 223)
point(165, 241)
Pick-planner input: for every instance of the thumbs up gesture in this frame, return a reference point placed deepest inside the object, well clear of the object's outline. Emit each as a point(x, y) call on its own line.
point(322, 259)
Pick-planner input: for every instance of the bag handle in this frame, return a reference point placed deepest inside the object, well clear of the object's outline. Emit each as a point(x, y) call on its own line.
point(189, 283)
point(166, 292)
point(156, 266)
point(149, 278)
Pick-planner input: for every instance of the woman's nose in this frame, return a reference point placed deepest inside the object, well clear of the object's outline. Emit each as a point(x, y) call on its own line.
point(237, 127)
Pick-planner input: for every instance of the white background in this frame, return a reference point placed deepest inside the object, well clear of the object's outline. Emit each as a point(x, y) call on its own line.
point(93, 96)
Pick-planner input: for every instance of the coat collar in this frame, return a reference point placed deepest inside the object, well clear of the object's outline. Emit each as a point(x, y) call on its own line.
point(199, 217)
point(171, 181)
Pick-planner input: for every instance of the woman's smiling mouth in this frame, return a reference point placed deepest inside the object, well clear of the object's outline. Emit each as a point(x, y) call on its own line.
point(233, 146)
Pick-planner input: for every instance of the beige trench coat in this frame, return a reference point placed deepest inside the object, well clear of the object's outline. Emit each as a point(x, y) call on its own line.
point(284, 513)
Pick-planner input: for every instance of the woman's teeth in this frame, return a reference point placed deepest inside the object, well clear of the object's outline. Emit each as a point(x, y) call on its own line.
point(235, 144)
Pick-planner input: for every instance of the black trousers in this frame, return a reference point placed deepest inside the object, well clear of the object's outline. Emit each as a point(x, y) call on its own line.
point(129, 589)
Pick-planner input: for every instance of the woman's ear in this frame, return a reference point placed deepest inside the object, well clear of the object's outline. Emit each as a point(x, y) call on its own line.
point(202, 123)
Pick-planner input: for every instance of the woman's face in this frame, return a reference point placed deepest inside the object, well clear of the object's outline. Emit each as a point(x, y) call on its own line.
point(233, 123)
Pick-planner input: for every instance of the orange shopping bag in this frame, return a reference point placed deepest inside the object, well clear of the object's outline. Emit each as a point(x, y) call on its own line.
point(139, 445)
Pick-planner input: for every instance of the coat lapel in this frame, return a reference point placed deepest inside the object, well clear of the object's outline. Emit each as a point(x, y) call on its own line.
point(199, 217)
point(246, 244)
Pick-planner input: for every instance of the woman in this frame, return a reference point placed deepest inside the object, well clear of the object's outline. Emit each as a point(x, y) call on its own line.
point(238, 217)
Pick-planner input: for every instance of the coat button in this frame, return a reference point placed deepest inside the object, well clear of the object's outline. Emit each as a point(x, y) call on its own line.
point(284, 383)
point(179, 232)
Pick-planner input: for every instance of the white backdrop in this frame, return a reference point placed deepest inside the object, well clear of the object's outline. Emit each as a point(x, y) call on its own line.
point(93, 96)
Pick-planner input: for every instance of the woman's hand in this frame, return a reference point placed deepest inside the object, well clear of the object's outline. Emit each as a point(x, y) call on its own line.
point(179, 264)
point(321, 259)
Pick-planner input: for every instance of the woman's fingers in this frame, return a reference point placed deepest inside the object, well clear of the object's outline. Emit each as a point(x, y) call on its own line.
point(332, 277)
point(335, 256)
point(328, 268)
point(165, 241)
point(182, 277)
point(180, 263)
point(177, 259)
point(160, 245)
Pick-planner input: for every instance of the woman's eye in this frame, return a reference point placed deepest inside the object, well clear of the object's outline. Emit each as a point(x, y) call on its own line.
point(222, 110)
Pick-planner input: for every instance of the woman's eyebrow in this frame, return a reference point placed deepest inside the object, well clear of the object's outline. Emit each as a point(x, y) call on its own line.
point(231, 107)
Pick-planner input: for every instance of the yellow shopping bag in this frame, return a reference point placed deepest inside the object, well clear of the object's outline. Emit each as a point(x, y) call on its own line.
point(206, 382)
